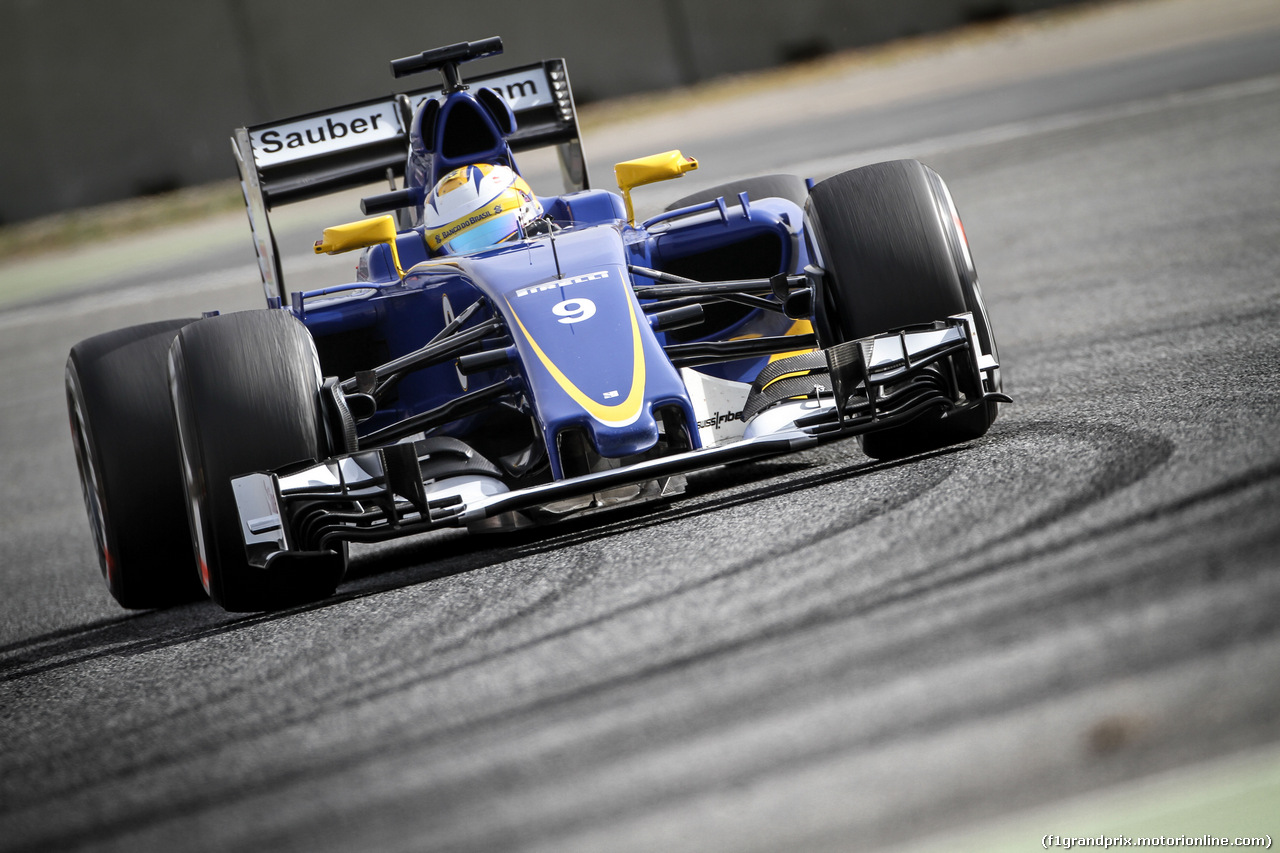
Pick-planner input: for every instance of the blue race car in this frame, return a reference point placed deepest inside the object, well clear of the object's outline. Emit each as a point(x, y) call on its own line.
point(504, 359)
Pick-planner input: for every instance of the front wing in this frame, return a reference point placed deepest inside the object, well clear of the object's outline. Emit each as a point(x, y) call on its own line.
point(379, 494)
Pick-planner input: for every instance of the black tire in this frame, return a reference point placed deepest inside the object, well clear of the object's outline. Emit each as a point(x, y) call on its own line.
point(889, 239)
point(130, 473)
point(766, 186)
point(245, 392)
point(968, 273)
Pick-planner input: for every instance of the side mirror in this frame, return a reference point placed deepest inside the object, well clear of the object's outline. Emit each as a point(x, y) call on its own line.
point(361, 235)
point(648, 170)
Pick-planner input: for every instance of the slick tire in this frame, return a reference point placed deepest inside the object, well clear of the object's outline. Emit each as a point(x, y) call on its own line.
point(894, 253)
point(246, 397)
point(126, 450)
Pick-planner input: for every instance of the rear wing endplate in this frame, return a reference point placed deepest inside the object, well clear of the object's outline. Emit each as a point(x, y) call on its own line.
point(320, 153)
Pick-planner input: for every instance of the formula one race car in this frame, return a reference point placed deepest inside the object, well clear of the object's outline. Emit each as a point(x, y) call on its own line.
point(504, 358)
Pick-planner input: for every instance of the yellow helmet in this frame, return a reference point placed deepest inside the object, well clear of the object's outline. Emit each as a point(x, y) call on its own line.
point(476, 207)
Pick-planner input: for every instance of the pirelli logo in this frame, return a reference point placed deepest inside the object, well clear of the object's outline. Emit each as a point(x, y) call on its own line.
point(563, 282)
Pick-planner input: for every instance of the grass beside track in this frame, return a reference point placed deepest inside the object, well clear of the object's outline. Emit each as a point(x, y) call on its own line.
point(107, 221)
point(1234, 797)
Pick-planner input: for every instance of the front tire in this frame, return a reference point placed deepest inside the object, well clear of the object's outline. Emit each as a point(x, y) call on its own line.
point(891, 245)
point(246, 395)
point(127, 454)
point(790, 187)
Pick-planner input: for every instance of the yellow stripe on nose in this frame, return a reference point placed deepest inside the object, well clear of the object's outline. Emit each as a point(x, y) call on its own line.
point(619, 415)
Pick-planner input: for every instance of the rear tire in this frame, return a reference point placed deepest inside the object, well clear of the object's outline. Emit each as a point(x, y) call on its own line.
point(891, 244)
point(245, 392)
point(766, 186)
point(130, 473)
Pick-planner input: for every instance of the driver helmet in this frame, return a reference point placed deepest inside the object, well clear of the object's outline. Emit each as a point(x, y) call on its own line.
point(477, 207)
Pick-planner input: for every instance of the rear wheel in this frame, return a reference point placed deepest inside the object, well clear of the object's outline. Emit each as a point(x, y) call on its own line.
point(127, 454)
point(246, 393)
point(765, 186)
point(893, 250)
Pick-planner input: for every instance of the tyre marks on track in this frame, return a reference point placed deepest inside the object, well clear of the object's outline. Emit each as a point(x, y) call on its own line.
point(867, 503)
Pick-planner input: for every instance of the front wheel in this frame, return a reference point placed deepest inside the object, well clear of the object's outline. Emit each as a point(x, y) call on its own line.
point(894, 253)
point(246, 395)
point(790, 187)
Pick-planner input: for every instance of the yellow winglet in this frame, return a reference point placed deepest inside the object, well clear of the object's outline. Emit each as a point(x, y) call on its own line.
point(648, 170)
point(360, 235)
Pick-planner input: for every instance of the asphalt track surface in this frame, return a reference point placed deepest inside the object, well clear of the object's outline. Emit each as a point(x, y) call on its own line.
point(817, 652)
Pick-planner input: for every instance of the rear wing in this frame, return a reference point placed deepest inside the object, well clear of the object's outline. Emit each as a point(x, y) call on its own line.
point(320, 153)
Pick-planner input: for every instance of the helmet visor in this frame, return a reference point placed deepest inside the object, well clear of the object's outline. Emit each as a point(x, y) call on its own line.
point(482, 235)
